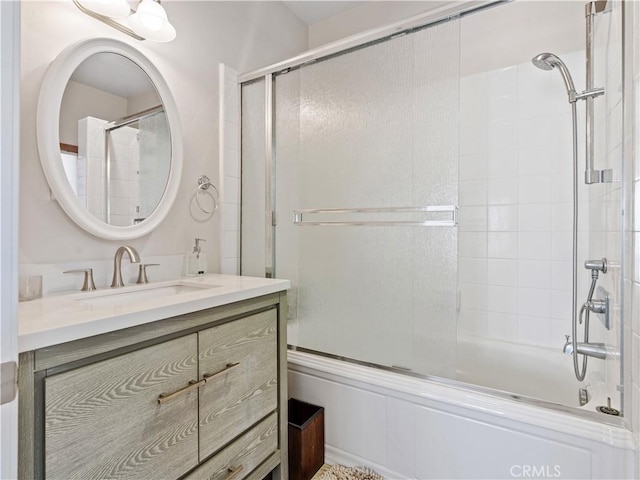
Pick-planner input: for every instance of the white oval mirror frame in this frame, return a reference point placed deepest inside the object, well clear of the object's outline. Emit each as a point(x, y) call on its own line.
point(47, 132)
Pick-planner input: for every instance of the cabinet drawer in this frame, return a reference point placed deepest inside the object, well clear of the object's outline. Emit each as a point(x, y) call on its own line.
point(239, 362)
point(240, 458)
point(104, 420)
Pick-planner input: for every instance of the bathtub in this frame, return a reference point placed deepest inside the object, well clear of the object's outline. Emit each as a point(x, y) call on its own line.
point(529, 371)
point(408, 427)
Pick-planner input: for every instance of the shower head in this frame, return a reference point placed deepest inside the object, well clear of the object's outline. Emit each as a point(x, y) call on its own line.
point(548, 61)
point(545, 61)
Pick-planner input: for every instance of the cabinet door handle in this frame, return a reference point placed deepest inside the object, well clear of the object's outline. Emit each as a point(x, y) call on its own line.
point(232, 472)
point(210, 376)
point(193, 384)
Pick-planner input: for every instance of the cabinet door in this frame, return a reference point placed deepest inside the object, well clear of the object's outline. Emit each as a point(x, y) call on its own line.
point(105, 420)
point(239, 459)
point(239, 362)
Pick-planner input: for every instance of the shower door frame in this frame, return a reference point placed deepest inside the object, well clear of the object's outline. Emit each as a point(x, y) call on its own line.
point(352, 43)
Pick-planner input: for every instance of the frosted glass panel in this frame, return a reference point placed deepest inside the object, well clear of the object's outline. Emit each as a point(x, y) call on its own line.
point(374, 128)
point(253, 179)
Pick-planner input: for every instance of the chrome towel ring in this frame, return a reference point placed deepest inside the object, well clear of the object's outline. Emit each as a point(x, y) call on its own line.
point(203, 186)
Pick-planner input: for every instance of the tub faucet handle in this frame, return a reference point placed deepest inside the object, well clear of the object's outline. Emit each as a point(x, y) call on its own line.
point(568, 345)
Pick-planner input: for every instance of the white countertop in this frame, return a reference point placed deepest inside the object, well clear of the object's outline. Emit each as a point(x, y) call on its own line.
point(62, 318)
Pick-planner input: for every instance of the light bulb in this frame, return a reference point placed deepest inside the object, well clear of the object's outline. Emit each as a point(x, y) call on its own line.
point(150, 21)
point(108, 8)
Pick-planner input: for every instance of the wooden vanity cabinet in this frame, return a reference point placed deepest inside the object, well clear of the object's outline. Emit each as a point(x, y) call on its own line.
point(238, 361)
point(202, 395)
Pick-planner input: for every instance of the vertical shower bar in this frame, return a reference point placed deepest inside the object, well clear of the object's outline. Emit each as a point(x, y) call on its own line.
point(591, 175)
point(269, 188)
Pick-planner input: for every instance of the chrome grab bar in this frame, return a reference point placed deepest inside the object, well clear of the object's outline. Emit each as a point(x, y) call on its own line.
point(298, 216)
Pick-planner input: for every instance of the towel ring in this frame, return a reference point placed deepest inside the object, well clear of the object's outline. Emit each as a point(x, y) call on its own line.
point(203, 185)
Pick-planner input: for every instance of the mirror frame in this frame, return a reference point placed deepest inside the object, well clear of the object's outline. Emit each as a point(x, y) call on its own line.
point(48, 137)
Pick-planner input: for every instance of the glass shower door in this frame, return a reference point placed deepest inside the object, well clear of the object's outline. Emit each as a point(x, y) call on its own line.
point(366, 149)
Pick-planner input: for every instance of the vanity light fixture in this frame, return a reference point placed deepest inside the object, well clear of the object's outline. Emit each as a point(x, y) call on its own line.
point(148, 22)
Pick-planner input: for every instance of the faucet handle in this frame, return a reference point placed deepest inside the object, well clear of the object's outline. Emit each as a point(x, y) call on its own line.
point(142, 272)
point(88, 283)
point(568, 345)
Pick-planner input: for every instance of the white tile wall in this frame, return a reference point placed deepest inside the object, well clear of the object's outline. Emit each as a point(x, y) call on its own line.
point(92, 151)
point(632, 256)
point(229, 118)
point(515, 172)
point(124, 161)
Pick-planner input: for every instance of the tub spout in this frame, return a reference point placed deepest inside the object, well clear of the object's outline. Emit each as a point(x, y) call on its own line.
point(596, 350)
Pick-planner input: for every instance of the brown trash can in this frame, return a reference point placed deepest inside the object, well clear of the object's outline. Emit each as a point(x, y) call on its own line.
point(306, 439)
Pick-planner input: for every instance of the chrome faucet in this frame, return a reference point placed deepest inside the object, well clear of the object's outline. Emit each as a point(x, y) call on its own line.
point(117, 264)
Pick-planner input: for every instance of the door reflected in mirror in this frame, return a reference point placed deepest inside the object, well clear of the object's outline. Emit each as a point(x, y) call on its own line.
point(115, 143)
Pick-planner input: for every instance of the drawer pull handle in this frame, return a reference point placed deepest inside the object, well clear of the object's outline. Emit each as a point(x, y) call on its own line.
point(193, 384)
point(211, 376)
point(232, 472)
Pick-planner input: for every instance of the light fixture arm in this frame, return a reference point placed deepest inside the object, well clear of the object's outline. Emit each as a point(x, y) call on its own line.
point(109, 21)
point(148, 22)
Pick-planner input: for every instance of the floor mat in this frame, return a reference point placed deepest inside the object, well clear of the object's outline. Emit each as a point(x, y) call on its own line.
point(340, 472)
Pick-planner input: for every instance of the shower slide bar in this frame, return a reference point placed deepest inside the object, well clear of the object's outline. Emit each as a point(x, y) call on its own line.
point(298, 216)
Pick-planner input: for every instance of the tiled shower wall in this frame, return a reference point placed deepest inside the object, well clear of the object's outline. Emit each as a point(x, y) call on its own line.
point(91, 163)
point(125, 168)
point(632, 225)
point(515, 171)
point(515, 243)
point(124, 182)
point(229, 117)
point(605, 208)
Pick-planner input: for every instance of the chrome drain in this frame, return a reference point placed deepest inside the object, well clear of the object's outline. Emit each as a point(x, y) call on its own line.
point(608, 409)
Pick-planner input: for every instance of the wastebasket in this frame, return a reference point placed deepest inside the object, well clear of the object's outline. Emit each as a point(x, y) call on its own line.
point(306, 439)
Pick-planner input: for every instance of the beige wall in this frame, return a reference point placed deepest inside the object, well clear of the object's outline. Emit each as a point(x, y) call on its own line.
point(243, 35)
point(87, 102)
point(142, 102)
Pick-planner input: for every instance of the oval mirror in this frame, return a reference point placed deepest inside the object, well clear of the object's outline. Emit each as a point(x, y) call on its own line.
point(109, 139)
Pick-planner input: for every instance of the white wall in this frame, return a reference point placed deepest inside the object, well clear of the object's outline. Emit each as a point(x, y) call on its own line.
point(243, 35)
point(9, 142)
point(80, 101)
point(364, 17)
point(522, 23)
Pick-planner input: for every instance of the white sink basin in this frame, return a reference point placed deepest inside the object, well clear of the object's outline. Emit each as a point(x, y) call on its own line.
point(129, 295)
